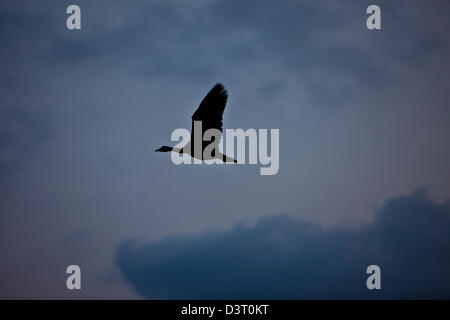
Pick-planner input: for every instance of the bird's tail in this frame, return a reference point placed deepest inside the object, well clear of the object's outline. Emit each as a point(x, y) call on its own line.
point(226, 158)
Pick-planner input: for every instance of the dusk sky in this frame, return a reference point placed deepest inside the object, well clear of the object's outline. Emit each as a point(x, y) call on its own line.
point(364, 174)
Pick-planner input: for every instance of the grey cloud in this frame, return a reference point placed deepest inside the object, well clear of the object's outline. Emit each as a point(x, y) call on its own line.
point(281, 257)
point(311, 39)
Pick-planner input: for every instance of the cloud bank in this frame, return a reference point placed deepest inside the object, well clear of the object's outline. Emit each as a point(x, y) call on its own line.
point(283, 258)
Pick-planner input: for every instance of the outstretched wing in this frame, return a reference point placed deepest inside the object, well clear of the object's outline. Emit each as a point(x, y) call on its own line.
point(211, 109)
point(210, 113)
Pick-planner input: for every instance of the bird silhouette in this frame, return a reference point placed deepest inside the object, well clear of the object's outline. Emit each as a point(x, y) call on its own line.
point(210, 113)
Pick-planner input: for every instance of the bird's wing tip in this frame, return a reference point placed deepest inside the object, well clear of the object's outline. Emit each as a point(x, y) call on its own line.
point(219, 85)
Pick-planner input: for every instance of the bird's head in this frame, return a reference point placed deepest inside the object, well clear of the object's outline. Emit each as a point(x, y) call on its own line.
point(164, 149)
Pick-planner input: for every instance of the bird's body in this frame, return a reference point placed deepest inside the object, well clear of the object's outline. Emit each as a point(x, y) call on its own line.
point(207, 116)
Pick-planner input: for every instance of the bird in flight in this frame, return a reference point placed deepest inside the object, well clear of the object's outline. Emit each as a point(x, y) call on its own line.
point(209, 114)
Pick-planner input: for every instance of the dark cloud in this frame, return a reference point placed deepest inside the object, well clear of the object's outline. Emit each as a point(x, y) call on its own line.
point(280, 257)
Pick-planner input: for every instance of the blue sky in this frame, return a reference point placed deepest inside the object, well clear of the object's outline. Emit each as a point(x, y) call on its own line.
point(363, 118)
